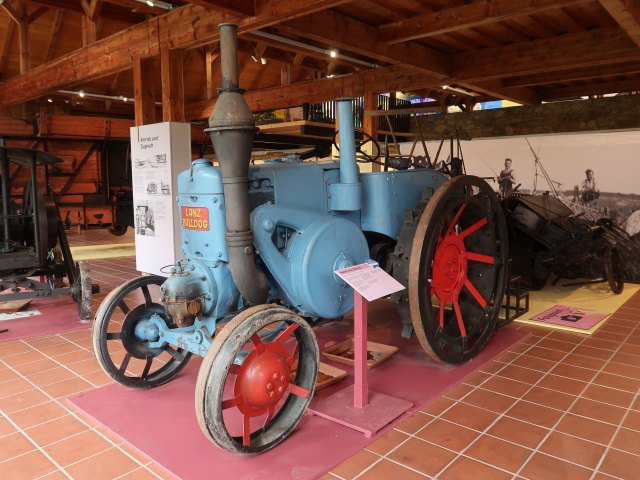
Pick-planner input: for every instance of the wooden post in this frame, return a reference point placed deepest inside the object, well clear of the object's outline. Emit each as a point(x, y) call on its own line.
point(89, 31)
point(172, 72)
point(210, 57)
point(370, 122)
point(145, 107)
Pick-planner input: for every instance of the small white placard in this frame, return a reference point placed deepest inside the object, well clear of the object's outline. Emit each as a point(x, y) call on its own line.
point(369, 280)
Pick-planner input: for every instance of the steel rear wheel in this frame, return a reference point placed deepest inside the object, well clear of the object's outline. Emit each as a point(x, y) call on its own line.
point(247, 399)
point(457, 270)
point(119, 352)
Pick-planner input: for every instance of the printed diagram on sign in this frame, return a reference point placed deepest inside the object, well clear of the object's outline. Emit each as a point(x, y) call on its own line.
point(145, 221)
point(164, 188)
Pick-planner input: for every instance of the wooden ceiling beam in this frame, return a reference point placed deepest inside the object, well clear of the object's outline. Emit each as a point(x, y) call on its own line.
point(385, 79)
point(627, 14)
point(344, 33)
point(37, 13)
point(475, 14)
point(143, 89)
point(13, 10)
point(576, 91)
point(625, 68)
point(172, 75)
point(602, 46)
point(245, 8)
point(189, 26)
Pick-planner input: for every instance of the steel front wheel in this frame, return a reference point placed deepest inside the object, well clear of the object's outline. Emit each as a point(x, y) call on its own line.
point(116, 336)
point(247, 398)
point(457, 269)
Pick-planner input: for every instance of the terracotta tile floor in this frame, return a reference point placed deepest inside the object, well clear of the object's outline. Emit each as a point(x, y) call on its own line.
point(558, 406)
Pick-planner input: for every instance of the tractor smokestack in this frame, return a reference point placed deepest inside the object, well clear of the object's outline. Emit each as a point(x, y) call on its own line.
point(232, 129)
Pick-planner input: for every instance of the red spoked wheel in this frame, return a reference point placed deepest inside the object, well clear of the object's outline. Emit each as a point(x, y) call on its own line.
point(247, 399)
point(457, 269)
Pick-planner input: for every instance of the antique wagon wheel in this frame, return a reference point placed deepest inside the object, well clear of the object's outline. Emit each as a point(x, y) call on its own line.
point(613, 269)
point(457, 269)
point(247, 399)
point(122, 355)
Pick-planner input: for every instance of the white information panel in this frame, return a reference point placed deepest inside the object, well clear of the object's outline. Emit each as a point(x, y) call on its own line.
point(159, 152)
point(369, 280)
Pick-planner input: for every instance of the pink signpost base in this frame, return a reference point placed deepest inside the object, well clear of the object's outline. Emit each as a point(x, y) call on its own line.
point(355, 407)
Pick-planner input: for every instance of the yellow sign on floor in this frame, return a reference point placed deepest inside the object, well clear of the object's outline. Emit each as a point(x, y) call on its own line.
point(596, 297)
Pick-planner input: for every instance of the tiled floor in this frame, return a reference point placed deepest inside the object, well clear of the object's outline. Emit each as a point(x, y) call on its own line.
point(559, 406)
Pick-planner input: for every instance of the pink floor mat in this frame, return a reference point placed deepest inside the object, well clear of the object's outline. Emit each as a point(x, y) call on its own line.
point(58, 315)
point(161, 422)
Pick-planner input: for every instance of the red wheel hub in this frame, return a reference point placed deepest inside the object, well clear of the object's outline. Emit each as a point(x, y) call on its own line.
point(262, 379)
point(449, 271)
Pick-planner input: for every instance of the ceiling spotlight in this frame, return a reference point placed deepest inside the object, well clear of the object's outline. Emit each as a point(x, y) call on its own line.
point(125, 99)
point(81, 93)
point(333, 53)
point(50, 100)
point(66, 101)
point(263, 60)
point(330, 76)
point(150, 3)
point(253, 57)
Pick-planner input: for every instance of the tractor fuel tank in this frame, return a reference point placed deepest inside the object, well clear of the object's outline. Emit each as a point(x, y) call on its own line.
point(202, 212)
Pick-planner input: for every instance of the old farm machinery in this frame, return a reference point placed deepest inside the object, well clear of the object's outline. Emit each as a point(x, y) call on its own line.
point(262, 243)
point(34, 254)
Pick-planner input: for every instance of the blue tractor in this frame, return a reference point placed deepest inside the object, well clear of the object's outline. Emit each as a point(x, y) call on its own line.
point(261, 245)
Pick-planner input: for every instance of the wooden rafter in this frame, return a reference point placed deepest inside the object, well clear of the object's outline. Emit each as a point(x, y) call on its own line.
point(245, 8)
point(92, 8)
point(574, 74)
point(89, 31)
point(341, 32)
point(211, 56)
point(497, 89)
point(465, 16)
point(619, 86)
point(592, 48)
point(13, 10)
point(112, 12)
point(37, 13)
point(189, 26)
point(53, 36)
point(627, 14)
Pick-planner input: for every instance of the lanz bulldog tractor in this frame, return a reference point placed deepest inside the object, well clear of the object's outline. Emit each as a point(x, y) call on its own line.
point(259, 271)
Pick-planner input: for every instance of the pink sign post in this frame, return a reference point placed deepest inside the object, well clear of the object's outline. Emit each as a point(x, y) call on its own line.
point(355, 406)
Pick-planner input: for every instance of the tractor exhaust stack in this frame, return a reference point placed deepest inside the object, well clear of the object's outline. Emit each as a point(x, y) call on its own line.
point(232, 130)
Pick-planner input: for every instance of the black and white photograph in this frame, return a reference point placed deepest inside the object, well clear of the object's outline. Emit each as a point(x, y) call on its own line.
point(145, 220)
point(590, 173)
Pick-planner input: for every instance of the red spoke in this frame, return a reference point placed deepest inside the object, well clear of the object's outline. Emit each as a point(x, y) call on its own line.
point(246, 431)
point(441, 314)
point(257, 343)
point(232, 402)
point(270, 411)
point(299, 391)
point(478, 257)
point(475, 293)
point(455, 219)
point(472, 228)
point(456, 307)
point(294, 356)
point(285, 334)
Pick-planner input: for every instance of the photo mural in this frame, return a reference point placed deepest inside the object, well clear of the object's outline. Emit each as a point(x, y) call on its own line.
point(597, 175)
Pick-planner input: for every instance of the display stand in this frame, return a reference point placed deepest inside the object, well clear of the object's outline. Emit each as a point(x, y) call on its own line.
point(356, 406)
